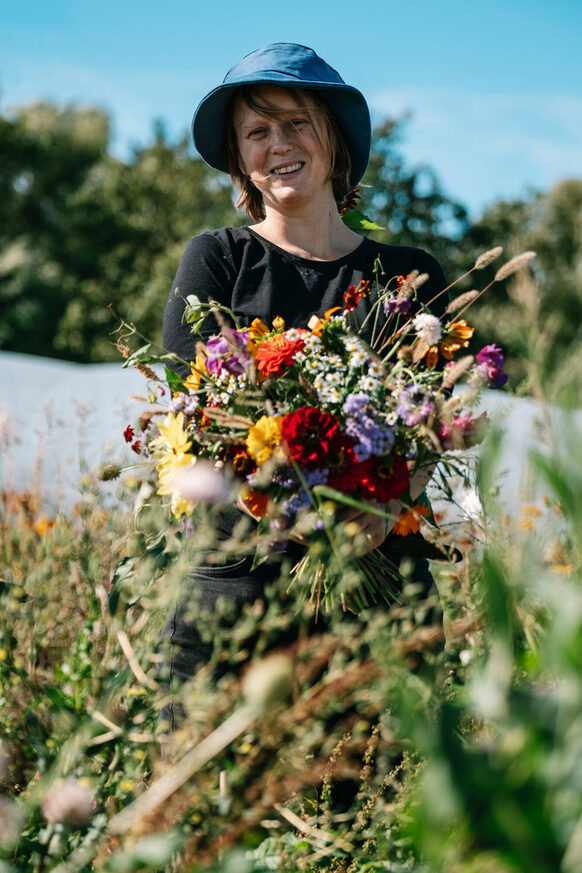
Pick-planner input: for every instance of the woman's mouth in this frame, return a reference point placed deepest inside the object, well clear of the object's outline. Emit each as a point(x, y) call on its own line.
point(290, 168)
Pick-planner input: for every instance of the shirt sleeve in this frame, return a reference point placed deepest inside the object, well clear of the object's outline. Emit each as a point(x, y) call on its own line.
point(207, 272)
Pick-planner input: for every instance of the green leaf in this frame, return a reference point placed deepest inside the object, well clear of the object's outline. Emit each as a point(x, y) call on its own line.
point(57, 698)
point(174, 381)
point(356, 220)
point(339, 497)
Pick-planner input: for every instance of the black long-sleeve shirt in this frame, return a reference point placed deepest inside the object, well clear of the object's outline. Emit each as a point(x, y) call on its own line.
point(257, 279)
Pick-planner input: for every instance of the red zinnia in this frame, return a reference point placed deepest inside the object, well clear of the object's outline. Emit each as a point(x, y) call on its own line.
point(385, 478)
point(276, 354)
point(128, 433)
point(313, 437)
point(376, 478)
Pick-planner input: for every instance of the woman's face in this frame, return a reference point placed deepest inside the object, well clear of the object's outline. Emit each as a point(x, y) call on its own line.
point(282, 153)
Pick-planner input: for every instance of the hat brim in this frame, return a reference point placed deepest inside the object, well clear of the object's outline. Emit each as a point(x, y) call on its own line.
point(346, 103)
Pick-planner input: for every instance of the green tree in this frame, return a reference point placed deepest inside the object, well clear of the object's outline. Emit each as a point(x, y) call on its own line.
point(549, 223)
point(83, 229)
point(409, 201)
point(45, 155)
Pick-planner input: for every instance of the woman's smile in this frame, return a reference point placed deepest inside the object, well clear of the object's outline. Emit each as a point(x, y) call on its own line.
point(286, 169)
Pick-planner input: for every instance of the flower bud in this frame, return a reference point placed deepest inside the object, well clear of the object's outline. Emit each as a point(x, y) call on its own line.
point(268, 681)
point(108, 471)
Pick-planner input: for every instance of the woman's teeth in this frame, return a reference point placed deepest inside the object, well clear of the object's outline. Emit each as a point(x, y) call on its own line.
point(291, 169)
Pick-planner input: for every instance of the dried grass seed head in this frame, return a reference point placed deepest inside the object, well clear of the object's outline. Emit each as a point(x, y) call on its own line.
point(454, 373)
point(407, 287)
point(487, 258)
point(461, 301)
point(513, 265)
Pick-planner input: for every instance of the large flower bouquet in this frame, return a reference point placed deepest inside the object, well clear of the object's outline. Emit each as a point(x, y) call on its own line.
point(301, 422)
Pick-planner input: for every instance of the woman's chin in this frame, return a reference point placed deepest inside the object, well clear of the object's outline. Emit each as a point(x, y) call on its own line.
point(292, 197)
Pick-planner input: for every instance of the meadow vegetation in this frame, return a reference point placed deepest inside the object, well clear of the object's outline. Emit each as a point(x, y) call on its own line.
point(351, 744)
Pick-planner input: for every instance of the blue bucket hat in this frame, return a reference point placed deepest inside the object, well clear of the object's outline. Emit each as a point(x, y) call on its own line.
point(296, 66)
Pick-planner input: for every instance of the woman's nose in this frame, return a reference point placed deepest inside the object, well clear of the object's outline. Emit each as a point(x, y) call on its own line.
point(280, 138)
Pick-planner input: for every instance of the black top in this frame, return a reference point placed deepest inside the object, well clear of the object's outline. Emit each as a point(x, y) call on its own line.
point(257, 279)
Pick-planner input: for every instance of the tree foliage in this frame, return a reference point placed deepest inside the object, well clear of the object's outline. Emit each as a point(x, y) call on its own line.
point(409, 202)
point(82, 229)
point(550, 224)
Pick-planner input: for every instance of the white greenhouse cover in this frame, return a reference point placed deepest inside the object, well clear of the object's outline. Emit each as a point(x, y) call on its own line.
point(59, 419)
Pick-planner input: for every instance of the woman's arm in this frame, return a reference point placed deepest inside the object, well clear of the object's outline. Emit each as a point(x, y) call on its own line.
point(207, 273)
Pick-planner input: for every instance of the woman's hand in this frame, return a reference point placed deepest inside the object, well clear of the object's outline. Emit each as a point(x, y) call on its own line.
point(419, 480)
point(373, 527)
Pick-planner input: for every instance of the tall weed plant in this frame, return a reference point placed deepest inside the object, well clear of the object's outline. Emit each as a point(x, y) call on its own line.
point(350, 744)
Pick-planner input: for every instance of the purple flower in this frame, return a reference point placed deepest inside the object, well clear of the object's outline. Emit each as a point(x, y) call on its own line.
point(414, 407)
point(229, 351)
point(397, 306)
point(176, 404)
point(240, 338)
point(217, 345)
point(316, 477)
point(214, 365)
point(355, 403)
point(490, 364)
point(370, 437)
point(233, 365)
point(296, 503)
point(490, 355)
point(191, 404)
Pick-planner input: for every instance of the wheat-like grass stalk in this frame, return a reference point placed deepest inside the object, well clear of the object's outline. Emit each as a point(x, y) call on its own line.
point(460, 301)
point(487, 258)
point(513, 265)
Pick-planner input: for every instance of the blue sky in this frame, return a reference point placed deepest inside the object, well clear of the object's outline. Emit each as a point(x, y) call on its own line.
point(494, 89)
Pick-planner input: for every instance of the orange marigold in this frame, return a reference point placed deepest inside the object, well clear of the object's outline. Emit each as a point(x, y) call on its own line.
point(256, 503)
point(409, 520)
point(457, 337)
point(277, 353)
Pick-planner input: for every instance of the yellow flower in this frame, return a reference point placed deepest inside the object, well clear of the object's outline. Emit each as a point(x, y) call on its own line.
point(263, 438)
point(278, 323)
point(180, 506)
point(168, 465)
point(258, 333)
point(316, 324)
point(172, 437)
point(171, 455)
point(198, 369)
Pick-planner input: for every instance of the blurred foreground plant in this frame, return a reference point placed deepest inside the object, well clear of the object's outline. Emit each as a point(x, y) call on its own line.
point(381, 758)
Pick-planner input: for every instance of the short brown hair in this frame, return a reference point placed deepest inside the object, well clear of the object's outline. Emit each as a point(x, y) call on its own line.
point(332, 140)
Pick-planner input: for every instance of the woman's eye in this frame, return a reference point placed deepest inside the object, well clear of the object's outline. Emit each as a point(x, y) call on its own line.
point(257, 131)
point(298, 122)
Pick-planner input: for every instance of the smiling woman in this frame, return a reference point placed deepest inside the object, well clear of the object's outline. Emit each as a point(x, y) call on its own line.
point(295, 139)
point(301, 119)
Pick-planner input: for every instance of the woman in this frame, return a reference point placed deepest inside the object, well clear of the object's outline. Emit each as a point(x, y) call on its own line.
point(295, 140)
